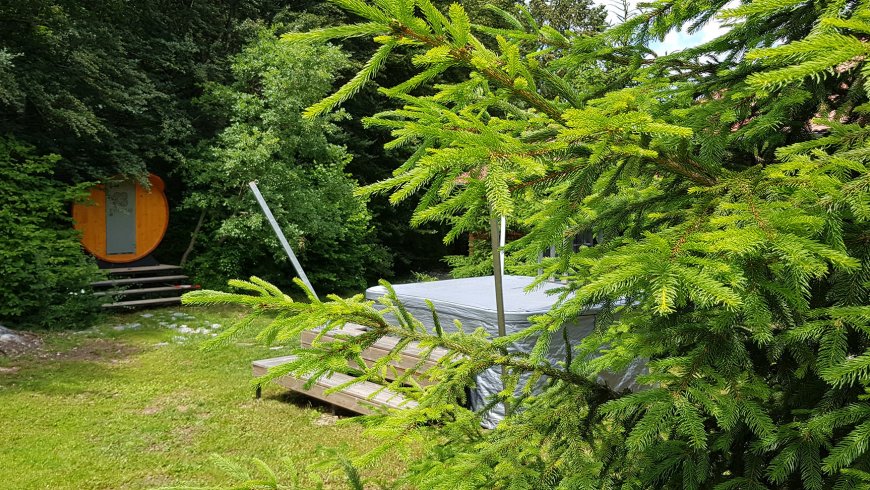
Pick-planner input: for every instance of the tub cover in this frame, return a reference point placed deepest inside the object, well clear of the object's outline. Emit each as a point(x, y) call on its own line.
point(472, 302)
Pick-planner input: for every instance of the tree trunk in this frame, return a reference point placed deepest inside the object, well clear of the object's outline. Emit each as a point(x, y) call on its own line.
point(193, 238)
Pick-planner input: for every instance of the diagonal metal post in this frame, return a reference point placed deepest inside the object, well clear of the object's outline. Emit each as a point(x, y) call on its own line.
point(281, 237)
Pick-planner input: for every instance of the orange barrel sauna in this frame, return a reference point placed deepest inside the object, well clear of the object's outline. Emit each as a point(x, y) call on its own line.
point(123, 221)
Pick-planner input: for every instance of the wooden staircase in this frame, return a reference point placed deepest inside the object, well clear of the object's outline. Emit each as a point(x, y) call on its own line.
point(151, 285)
point(365, 397)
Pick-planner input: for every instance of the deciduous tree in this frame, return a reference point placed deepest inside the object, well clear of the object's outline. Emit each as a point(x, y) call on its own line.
point(298, 168)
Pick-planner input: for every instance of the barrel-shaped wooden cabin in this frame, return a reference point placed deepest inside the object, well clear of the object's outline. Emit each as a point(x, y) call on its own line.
point(123, 221)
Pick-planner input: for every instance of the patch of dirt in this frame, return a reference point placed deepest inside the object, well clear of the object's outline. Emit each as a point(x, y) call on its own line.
point(184, 434)
point(93, 350)
point(9, 370)
point(177, 401)
point(14, 343)
point(326, 419)
point(157, 448)
point(156, 481)
point(150, 410)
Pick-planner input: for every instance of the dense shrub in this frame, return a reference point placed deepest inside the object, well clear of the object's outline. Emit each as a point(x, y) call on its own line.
point(43, 269)
point(300, 173)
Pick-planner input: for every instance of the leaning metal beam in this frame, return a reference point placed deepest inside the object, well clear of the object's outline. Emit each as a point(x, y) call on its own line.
point(281, 237)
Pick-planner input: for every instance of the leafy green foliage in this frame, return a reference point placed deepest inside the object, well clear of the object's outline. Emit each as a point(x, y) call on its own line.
point(45, 275)
point(299, 171)
point(568, 15)
point(117, 88)
point(107, 85)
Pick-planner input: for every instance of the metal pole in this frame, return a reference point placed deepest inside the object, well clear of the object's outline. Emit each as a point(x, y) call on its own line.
point(497, 269)
point(552, 254)
point(502, 238)
point(281, 237)
point(497, 272)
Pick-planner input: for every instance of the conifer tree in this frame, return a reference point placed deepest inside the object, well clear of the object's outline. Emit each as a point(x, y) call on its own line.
point(728, 186)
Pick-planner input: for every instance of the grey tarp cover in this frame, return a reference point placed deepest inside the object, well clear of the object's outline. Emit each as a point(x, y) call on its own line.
point(472, 302)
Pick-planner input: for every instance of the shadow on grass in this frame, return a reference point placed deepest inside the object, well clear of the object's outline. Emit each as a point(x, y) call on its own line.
point(303, 401)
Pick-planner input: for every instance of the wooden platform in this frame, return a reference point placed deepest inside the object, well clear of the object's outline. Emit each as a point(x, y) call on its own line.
point(409, 358)
point(362, 397)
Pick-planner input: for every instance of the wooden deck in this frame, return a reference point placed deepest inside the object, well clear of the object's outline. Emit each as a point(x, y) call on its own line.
point(409, 358)
point(364, 397)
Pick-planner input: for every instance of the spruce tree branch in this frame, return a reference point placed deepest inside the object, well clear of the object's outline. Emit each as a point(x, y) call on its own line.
point(693, 175)
point(547, 178)
point(464, 56)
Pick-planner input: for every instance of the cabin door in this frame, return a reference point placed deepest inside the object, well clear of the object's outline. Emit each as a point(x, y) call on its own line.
point(121, 218)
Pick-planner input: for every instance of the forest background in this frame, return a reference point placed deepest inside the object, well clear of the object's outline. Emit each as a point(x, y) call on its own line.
point(203, 95)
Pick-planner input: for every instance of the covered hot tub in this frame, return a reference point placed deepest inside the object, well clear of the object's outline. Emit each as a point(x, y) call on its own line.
point(472, 302)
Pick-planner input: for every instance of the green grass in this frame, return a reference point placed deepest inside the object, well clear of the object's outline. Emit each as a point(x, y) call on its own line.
point(140, 408)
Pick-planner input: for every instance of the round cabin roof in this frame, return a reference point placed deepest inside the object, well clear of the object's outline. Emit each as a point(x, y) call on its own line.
point(128, 226)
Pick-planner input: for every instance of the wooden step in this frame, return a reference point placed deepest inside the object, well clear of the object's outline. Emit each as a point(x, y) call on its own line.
point(144, 302)
point(408, 359)
point(181, 288)
point(142, 269)
point(364, 397)
point(138, 280)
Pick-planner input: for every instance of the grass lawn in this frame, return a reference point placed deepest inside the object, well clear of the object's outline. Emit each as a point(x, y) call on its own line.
point(126, 406)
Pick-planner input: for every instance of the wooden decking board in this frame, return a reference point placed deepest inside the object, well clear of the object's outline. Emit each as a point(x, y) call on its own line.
point(387, 343)
point(181, 288)
point(413, 349)
point(263, 365)
point(138, 280)
point(144, 302)
point(363, 397)
point(409, 358)
point(143, 269)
